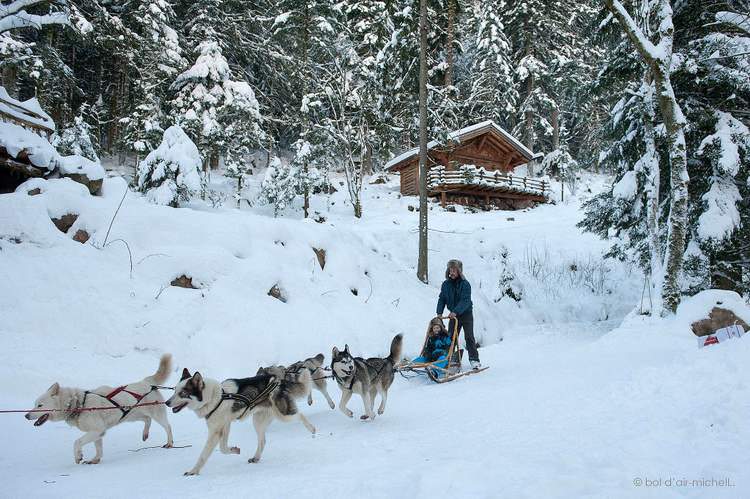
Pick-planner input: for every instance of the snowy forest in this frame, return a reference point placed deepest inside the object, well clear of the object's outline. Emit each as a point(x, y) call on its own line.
point(326, 81)
point(309, 196)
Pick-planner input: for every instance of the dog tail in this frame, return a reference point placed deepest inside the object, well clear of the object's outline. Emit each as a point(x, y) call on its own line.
point(161, 374)
point(396, 344)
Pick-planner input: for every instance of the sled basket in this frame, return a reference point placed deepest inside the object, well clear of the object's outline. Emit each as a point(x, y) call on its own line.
point(439, 371)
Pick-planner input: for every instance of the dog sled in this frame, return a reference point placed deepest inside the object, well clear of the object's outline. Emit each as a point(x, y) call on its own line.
point(441, 370)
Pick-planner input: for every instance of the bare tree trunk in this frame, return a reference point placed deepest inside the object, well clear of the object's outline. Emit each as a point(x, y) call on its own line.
point(422, 260)
point(653, 175)
point(555, 118)
point(9, 80)
point(449, 43)
point(529, 114)
point(674, 122)
point(367, 160)
point(659, 60)
point(305, 125)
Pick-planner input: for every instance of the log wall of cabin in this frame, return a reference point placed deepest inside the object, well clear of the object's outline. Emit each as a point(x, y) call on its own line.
point(410, 179)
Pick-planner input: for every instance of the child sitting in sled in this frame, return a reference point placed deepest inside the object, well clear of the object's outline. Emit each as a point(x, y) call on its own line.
point(437, 345)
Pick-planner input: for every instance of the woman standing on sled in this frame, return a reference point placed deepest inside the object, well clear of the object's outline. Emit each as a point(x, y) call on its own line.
point(455, 293)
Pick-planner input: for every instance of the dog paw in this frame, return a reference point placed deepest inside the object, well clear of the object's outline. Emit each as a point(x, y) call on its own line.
point(96, 460)
point(79, 458)
point(234, 450)
point(253, 460)
point(309, 401)
point(331, 405)
point(381, 411)
point(190, 473)
point(145, 437)
point(364, 417)
point(167, 446)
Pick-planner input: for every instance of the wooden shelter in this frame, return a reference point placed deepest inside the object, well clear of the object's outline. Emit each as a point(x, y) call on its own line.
point(25, 150)
point(474, 167)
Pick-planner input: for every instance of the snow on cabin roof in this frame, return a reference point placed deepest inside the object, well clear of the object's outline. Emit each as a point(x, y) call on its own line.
point(28, 111)
point(457, 136)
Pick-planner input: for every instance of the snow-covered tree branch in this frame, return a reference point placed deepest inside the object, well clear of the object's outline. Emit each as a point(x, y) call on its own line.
point(15, 16)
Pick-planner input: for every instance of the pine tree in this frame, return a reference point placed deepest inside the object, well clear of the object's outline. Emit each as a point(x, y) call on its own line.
point(217, 111)
point(170, 174)
point(492, 94)
point(160, 58)
point(306, 30)
point(76, 138)
point(712, 84)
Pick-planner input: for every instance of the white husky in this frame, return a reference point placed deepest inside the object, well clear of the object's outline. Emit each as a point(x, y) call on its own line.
point(66, 404)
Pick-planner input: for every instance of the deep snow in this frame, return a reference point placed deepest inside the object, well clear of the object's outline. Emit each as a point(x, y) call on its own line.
point(575, 403)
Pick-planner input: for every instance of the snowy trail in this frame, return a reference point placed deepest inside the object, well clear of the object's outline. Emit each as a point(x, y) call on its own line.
point(559, 414)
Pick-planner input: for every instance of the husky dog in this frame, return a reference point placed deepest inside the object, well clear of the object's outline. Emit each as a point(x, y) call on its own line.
point(265, 397)
point(314, 365)
point(67, 404)
point(365, 377)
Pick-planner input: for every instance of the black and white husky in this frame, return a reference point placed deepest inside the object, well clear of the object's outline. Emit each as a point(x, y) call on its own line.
point(265, 397)
point(365, 377)
point(111, 406)
point(313, 365)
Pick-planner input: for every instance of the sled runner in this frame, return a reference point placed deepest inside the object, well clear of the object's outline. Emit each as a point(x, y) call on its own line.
point(444, 369)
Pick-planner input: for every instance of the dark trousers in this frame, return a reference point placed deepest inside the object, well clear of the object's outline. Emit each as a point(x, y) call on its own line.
point(466, 322)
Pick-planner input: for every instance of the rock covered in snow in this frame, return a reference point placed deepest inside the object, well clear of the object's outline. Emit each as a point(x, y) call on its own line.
point(713, 309)
point(82, 170)
point(41, 158)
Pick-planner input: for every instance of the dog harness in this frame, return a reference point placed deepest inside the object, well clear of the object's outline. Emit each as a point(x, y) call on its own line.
point(351, 383)
point(238, 397)
point(110, 397)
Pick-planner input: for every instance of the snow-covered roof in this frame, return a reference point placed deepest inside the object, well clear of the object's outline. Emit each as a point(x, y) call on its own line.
point(459, 135)
point(28, 111)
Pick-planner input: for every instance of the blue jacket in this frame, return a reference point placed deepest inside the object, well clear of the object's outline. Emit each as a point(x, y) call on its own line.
point(456, 295)
point(437, 346)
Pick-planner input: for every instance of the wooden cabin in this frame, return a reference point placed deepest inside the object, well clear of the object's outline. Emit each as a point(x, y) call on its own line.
point(474, 167)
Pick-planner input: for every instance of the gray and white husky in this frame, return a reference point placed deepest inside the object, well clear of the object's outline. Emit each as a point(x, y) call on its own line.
point(314, 365)
point(265, 397)
point(66, 404)
point(365, 377)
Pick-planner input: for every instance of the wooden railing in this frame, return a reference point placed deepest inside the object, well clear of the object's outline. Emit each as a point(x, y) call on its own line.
point(479, 177)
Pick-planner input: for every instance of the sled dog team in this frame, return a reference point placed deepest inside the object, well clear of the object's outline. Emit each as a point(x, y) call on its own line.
point(270, 394)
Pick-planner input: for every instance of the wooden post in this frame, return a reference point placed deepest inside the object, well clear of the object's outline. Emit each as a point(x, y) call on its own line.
point(442, 199)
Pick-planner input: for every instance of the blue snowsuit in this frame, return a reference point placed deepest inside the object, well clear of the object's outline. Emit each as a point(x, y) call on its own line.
point(436, 349)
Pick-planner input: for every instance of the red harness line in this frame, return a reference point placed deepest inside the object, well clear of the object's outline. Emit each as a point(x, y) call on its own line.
point(138, 397)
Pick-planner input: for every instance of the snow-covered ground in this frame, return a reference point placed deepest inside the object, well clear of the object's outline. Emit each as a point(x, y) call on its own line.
point(579, 401)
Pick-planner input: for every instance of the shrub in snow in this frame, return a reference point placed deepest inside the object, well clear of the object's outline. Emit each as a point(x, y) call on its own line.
point(561, 165)
point(283, 181)
point(76, 140)
point(170, 174)
point(280, 185)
